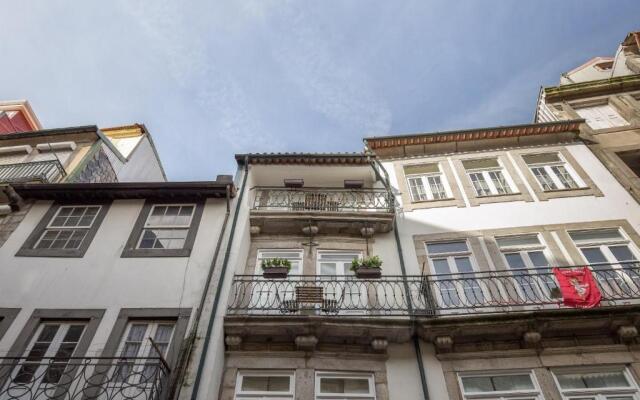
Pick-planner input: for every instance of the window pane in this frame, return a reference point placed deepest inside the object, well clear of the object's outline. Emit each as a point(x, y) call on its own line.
point(481, 163)
point(622, 253)
point(515, 261)
point(265, 384)
point(416, 187)
point(595, 235)
point(328, 268)
point(421, 169)
point(437, 188)
point(500, 182)
point(447, 247)
point(512, 382)
point(564, 177)
point(520, 240)
point(546, 158)
point(480, 184)
point(441, 267)
point(538, 259)
point(344, 385)
point(463, 264)
point(594, 255)
point(477, 384)
point(544, 179)
point(593, 380)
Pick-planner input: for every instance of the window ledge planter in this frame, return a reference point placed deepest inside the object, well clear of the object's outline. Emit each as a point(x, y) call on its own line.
point(367, 268)
point(275, 268)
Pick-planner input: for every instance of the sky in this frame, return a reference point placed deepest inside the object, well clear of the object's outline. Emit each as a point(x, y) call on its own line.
point(214, 78)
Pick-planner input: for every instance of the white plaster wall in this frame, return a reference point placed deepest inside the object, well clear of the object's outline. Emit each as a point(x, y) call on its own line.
point(142, 164)
point(615, 204)
point(101, 279)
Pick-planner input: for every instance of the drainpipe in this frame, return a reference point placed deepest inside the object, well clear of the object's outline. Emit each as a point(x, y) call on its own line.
point(186, 353)
point(414, 337)
point(216, 300)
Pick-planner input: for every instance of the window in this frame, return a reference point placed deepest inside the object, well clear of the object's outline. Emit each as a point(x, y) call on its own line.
point(426, 182)
point(68, 227)
point(294, 256)
point(487, 177)
point(278, 385)
point(611, 256)
point(606, 384)
point(602, 116)
point(525, 256)
point(164, 230)
point(273, 294)
point(337, 264)
point(453, 266)
point(344, 386)
point(511, 386)
point(552, 172)
point(167, 227)
point(49, 352)
point(140, 362)
point(65, 231)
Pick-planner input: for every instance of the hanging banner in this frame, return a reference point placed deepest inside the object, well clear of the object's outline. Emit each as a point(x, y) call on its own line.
point(578, 287)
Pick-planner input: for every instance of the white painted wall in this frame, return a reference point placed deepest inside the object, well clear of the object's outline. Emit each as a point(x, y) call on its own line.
point(142, 163)
point(101, 279)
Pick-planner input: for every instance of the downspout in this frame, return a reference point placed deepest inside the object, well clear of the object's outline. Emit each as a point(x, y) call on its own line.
point(414, 337)
point(186, 353)
point(225, 262)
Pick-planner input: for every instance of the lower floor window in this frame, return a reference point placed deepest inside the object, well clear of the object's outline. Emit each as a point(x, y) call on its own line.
point(265, 385)
point(605, 384)
point(511, 386)
point(344, 386)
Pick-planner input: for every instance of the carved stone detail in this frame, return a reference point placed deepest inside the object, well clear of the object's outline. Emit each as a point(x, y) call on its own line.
point(306, 342)
point(233, 341)
point(379, 344)
point(254, 230)
point(443, 343)
point(367, 231)
point(627, 333)
point(532, 338)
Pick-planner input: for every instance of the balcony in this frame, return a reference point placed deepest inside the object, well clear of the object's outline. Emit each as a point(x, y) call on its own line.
point(48, 171)
point(23, 378)
point(332, 210)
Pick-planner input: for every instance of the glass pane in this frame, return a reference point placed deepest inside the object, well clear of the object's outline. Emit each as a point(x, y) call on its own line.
point(594, 255)
point(564, 177)
point(519, 240)
point(74, 333)
point(136, 333)
point(421, 169)
point(447, 247)
point(605, 380)
point(481, 163)
point(344, 385)
point(477, 384)
point(463, 264)
point(544, 179)
point(437, 189)
point(512, 382)
point(480, 184)
point(328, 269)
point(265, 384)
point(416, 187)
point(441, 267)
point(163, 334)
point(541, 158)
point(48, 333)
point(515, 261)
point(538, 259)
point(593, 235)
point(622, 253)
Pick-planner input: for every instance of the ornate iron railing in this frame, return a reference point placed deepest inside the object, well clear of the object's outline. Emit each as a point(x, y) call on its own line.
point(322, 199)
point(44, 171)
point(55, 378)
point(426, 295)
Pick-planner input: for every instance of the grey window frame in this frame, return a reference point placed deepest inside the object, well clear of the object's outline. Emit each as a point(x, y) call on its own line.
point(131, 250)
point(28, 248)
point(7, 316)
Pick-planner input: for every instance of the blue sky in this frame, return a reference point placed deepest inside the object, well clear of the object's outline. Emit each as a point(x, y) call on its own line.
point(214, 78)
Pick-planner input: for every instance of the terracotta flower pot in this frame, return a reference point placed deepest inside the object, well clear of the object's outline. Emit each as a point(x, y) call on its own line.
point(368, 273)
point(275, 272)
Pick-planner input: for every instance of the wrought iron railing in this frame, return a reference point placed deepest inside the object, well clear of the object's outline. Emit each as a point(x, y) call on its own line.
point(44, 171)
point(426, 295)
point(322, 199)
point(87, 378)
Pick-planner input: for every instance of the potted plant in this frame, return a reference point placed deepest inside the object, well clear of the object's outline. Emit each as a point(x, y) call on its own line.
point(367, 268)
point(275, 268)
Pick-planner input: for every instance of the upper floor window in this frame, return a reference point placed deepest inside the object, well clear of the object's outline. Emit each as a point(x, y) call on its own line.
point(510, 386)
point(164, 230)
point(605, 384)
point(487, 177)
point(552, 172)
point(344, 386)
point(265, 385)
point(294, 257)
point(426, 182)
point(65, 231)
point(602, 116)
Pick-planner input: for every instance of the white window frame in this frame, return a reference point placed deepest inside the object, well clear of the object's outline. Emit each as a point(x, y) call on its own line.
point(300, 258)
point(535, 393)
point(354, 292)
point(602, 116)
point(428, 192)
point(166, 226)
point(255, 395)
point(84, 228)
point(486, 177)
point(548, 168)
point(345, 396)
point(453, 268)
point(598, 393)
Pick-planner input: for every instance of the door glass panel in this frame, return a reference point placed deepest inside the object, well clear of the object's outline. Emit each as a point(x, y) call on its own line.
point(472, 290)
point(449, 247)
point(328, 268)
point(594, 255)
point(622, 253)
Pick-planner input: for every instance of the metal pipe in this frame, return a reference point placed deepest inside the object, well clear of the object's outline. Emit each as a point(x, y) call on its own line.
point(216, 300)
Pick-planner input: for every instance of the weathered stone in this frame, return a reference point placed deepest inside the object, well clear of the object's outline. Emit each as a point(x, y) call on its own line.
point(254, 230)
point(531, 339)
point(444, 343)
point(627, 333)
point(306, 342)
point(379, 344)
point(233, 341)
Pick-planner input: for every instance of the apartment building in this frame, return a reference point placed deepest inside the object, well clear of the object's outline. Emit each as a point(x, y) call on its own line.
point(605, 92)
point(483, 215)
point(101, 285)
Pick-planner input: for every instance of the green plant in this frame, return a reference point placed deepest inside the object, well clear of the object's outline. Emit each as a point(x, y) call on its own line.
point(275, 263)
point(367, 262)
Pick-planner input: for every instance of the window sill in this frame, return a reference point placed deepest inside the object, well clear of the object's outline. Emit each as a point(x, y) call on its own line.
point(566, 190)
point(615, 129)
point(432, 201)
point(491, 196)
point(50, 253)
point(150, 253)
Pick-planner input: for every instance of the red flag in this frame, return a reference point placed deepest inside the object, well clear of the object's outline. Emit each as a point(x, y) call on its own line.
point(578, 287)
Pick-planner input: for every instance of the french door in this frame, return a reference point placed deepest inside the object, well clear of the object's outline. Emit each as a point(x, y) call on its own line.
point(350, 294)
point(269, 295)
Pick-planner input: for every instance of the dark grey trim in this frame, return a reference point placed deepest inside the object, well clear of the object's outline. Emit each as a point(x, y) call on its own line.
point(7, 316)
point(179, 315)
point(130, 249)
point(28, 250)
point(91, 316)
